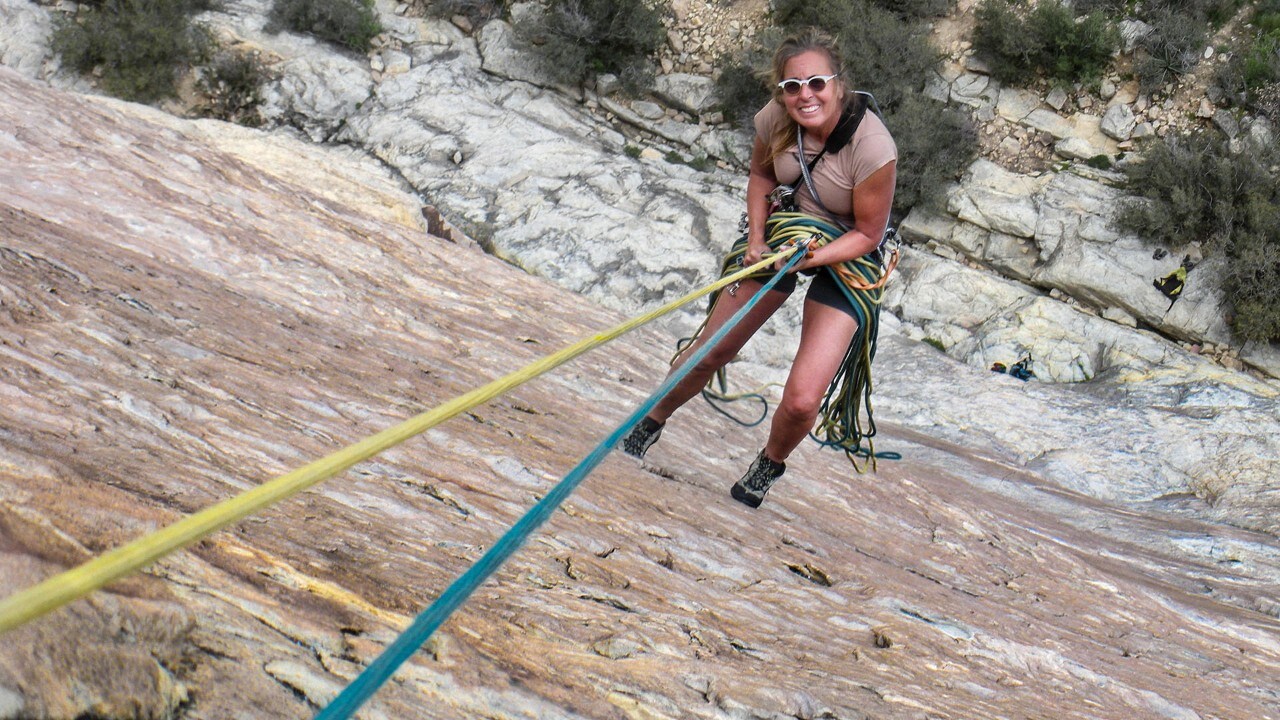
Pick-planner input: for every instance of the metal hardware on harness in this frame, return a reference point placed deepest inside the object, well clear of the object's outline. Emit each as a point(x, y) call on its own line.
point(889, 249)
point(891, 238)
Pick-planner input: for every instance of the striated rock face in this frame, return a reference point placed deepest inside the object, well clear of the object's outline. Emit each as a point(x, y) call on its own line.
point(188, 309)
point(590, 189)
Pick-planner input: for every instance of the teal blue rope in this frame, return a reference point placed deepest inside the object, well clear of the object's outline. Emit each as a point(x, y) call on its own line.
point(422, 627)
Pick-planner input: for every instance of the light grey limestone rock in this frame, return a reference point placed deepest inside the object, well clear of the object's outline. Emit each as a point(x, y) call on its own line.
point(507, 55)
point(974, 90)
point(1226, 122)
point(937, 87)
point(929, 290)
point(977, 64)
point(923, 224)
point(1050, 122)
point(1263, 356)
point(1015, 104)
point(25, 29)
point(1075, 148)
point(995, 199)
point(1119, 316)
point(648, 110)
point(1015, 256)
point(11, 703)
point(1089, 128)
point(1133, 32)
point(525, 14)
point(395, 62)
point(1259, 130)
point(1056, 98)
point(607, 84)
point(692, 93)
point(1118, 121)
point(725, 144)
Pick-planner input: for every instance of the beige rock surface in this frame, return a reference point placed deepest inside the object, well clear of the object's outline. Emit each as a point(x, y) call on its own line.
point(185, 313)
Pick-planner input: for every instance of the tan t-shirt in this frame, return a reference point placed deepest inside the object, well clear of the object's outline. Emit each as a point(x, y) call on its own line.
point(835, 176)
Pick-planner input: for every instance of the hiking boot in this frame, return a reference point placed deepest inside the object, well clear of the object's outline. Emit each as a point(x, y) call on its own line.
point(760, 477)
point(642, 437)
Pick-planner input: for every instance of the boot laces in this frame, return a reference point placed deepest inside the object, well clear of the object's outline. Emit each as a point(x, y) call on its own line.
point(762, 474)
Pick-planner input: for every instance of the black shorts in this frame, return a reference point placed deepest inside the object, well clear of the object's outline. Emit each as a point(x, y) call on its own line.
point(823, 289)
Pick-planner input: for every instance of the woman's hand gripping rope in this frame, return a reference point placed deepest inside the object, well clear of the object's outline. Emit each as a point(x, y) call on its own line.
point(784, 251)
point(805, 245)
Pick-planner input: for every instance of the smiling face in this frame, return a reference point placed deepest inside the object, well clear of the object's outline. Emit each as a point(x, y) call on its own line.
point(813, 111)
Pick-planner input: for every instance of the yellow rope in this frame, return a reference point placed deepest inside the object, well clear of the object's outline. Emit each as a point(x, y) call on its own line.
point(26, 605)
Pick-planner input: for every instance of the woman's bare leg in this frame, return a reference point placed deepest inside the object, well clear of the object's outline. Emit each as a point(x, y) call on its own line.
point(727, 349)
point(824, 339)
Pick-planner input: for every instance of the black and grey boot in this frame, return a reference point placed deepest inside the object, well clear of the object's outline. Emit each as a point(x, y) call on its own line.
point(642, 437)
point(760, 477)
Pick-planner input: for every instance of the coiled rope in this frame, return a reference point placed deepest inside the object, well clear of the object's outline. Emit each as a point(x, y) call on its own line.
point(426, 623)
point(40, 599)
point(845, 418)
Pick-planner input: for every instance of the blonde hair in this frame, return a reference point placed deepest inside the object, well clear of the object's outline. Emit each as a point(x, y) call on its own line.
point(809, 40)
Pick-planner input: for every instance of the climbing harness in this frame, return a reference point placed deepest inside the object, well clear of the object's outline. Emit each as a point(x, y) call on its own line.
point(426, 623)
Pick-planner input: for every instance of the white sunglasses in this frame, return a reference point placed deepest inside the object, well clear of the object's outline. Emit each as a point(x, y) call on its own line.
point(817, 83)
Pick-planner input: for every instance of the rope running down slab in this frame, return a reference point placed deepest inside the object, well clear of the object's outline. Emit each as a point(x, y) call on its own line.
point(423, 626)
point(51, 594)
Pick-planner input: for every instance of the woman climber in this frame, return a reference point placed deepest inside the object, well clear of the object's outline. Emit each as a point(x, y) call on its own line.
point(845, 188)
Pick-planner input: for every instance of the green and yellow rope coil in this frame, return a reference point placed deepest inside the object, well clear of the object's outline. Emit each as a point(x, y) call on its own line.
point(845, 419)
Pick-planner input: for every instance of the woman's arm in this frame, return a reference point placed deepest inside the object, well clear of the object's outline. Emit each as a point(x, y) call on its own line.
point(872, 203)
point(760, 183)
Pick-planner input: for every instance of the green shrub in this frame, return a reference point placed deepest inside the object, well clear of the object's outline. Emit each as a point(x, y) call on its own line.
point(1109, 8)
point(743, 85)
point(1252, 281)
point(349, 23)
point(1251, 77)
point(1101, 162)
point(577, 39)
point(1193, 188)
point(700, 162)
point(884, 56)
point(232, 87)
point(934, 343)
point(1209, 12)
point(935, 145)
point(1262, 62)
point(1266, 17)
point(1048, 38)
point(477, 11)
point(1083, 49)
point(1179, 32)
point(1000, 38)
point(140, 46)
point(915, 9)
point(1172, 48)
